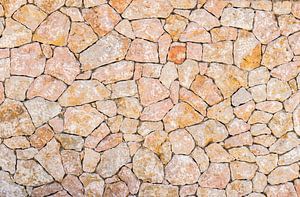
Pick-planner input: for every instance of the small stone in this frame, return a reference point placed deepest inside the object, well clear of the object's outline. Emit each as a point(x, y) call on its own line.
point(210, 192)
point(124, 88)
point(294, 43)
point(259, 129)
point(208, 132)
point(46, 87)
point(182, 170)
point(244, 111)
point(168, 74)
point(277, 52)
point(281, 123)
point(164, 43)
point(259, 76)
point(73, 13)
point(107, 107)
point(30, 16)
point(218, 52)
point(259, 150)
point(8, 159)
point(239, 140)
point(187, 72)
point(182, 142)
point(129, 107)
point(16, 87)
point(110, 141)
point(15, 34)
point(286, 72)
point(49, 6)
point(223, 33)
point(142, 51)
point(195, 101)
point(41, 110)
point(259, 93)
point(130, 179)
point(194, 51)
point(17, 142)
point(260, 117)
point(41, 137)
point(222, 112)
point(27, 60)
point(83, 91)
point(119, 5)
point(73, 185)
point(11, 6)
point(204, 19)
point(267, 163)
point(93, 184)
point(112, 160)
point(278, 90)
point(239, 188)
point(240, 97)
point(102, 18)
point(188, 4)
point(259, 182)
point(217, 176)
point(45, 190)
point(4, 68)
point(237, 126)
point(115, 72)
point(154, 141)
point(242, 170)
point(247, 51)
point(238, 17)
point(283, 174)
point(72, 162)
point(156, 111)
point(148, 189)
point(54, 30)
point(266, 140)
point(110, 48)
point(90, 160)
point(217, 153)
point(151, 70)
point(288, 24)
point(187, 190)
point(215, 7)
point(201, 158)
point(195, 33)
point(175, 25)
point(70, 141)
point(145, 9)
point(30, 173)
point(148, 29)
point(286, 189)
point(177, 53)
point(285, 143)
point(242, 154)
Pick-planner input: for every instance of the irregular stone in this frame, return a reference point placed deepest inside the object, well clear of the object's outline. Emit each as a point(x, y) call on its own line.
point(118, 5)
point(54, 30)
point(164, 43)
point(269, 106)
point(109, 142)
point(41, 137)
point(266, 140)
point(242, 154)
point(49, 6)
point(192, 99)
point(283, 174)
point(281, 123)
point(183, 4)
point(73, 185)
point(223, 33)
point(168, 74)
point(217, 176)
point(130, 179)
point(217, 153)
point(4, 68)
point(15, 34)
point(177, 53)
point(10, 6)
point(210, 192)
point(278, 90)
point(8, 159)
point(83, 91)
point(148, 29)
point(227, 77)
point(102, 18)
point(239, 188)
point(201, 158)
point(70, 141)
point(124, 88)
point(244, 111)
point(182, 142)
point(112, 160)
point(63, 65)
point(286, 72)
point(175, 25)
point(259, 129)
point(237, 126)
point(239, 140)
point(16, 87)
point(145, 9)
point(46, 87)
point(129, 107)
point(204, 19)
point(187, 72)
point(71, 161)
point(27, 60)
point(259, 182)
point(187, 190)
point(17, 142)
point(194, 51)
point(73, 13)
point(277, 52)
point(267, 163)
point(247, 51)
point(156, 111)
point(148, 189)
point(30, 173)
point(240, 97)
point(285, 143)
point(242, 170)
point(45, 190)
point(41, 110)
point(93, 184)
point(294, 43)
point(154, 141)
point(260, 117)
point(90, 160)
point(288, 24)
point(238, 17)
point(296, 120)
point(286, 189)
point(195, 33)
point(222, 112)
point(142, 51)
point(147, 166)
point(107, 107)
point(110, 48)
point(259, 76)
point(124, 27)
point(218, 52)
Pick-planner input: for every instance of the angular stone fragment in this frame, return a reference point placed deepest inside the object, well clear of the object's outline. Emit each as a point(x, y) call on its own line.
point(195, 33)
point(102, 18)
point(93, 184)
point(175, 25)
point(177, 53)
point(237, 126)
point(290, 157)
point(107, 107)
point(258, 76)
point(45, 190)
point(46, 87)
point(204, 19)
point(242, 154)
point(281, 123)
point(49, 6)
point(82, 120)
point(148, 29)
point(110, 48)
point(288, 24)
point(283, 174)
point(109, 142)
point(247, 51)
point(72, 162)
point(10, 6)
point(4, 68)
point(63, 65)
point(285, 143)
point(41, 110)
point(217, 176)
point(286, 189)
point(182, 142)
point(27, 60)
point(238, 17)
point(30, 173)
point(244, 111)
point(223, 33)
point(113, 159)
point(192, 99)
point(278, 90)
point(54, 30)
point(129, 107)
point(286, 72)
point(142, 51)
point(294, 43)
point(124, 88)
point(277, 52)
point(130, 179)
point(239, 188)
point(83, 91)
point(239, 140)
point(217, 153)
point(168, 74)
point(182, 170)
point(41, 137)
point(16, 87)
point(156, 111)
point(242, 170)
point(218, 52)
point(73, 185)
point(147, 166)
point(222, 112)
point(145, 9)
point(70, 141)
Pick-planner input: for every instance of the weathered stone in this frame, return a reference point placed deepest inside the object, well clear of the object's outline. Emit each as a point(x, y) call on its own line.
point(93, 184)
point(217, 153)
point(70, 141)
point(239, 188)
point(285, 143)
point(148, 189)
point(242, 170)
point(286, 189)
point(156, 111)
point(217, 176)
point(195, 33)
point(218, 52)
point(281, 123)
point(286, 72)
point(175, 25)
point(278, 90)
point(222, 112)
point(49, 6)
point(72, 162)
point(204, 19)
point(148, 29)
point(142, 51)
point(288, 24)
point(283, 174)
point(168, 74)
point(7, 159)
point(294, 43)
point(242, 154)
point(73, 185)
point(16, 87)
point(238, 17)
point(223, 33)
point(182, 142)
point(239, 140)
point(129, 107)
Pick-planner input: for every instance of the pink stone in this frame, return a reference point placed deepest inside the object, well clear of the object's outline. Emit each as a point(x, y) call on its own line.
point(156, 111)
point(217, 176)
point(149, 29)
point(142, 51)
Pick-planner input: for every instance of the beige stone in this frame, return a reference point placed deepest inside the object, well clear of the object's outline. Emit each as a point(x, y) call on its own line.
point(218, 52)
point(222, 112)
point(288, 24)
point(239, 188)
point(182, 142)
point(281, 123)
point(156, 111)
point(149, 29)
point(286, 189)
point(195, 33)
point(195, 101)
point(129, 107)
point(242, 154)
point(217, 153)
point(175, 25)
point(239, 140)
point(223, 33)
point(278, 90)
point(142, 51)
point(217, 176)
point(148, 189)
point(204, 19)
point(283, 174)
point(168, 74)
point(238, 17)
point(242, 170)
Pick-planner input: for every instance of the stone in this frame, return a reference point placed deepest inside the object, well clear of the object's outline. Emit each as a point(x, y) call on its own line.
point(244, 111)
point(73, 185)
point(49, 6)
point(107, 107)
point(112, 160)
point(278, 90)
point(208, 132)
point(187, 72)
point(142, 51)
point(168, 74)
point(115, 72)
point(218, 52)
point(175, 25)
point(242, 170)
point(259, 182)
point(238, 17)
point(240, 97)
point(210, 192)
point(144, 9)
point(195, 33)
point(239, 188)
point(118, 5)
point(242, 154)
point(147, 166)
point(15, 34)
point(63, 65)
point(267, 163)
point(14, 120)
point(239, 140)
point(83, 91)
point(54, 30)
point(148, 189)
point(201, 158)
point(42, 110)
point(296, 120)
point(192, 99)
point(183, 4)
point(16, 87)
point(260, 117)
point(283, 174)
point(93, 184)
point(285, 143)
point(222, 112)
point(129, 107)
point(217, 176)
point(182, 170)
point(259, 93)
point(215, 7)
point(70, 142)
point(182, 142)
point(110, 141)
point(228, 78)
point(177, 53)
point(4, 68)
point(46, 189)
point(8, 159)
point(72, 162)
point(130, 179)
point(281, 123)
point(258, 129)
point(217, 153)
point(223, 33)
point(27, 60)
point(73, 13)
point(30, 16)
point(46, 87)
point(194, 51)
point(180, 116)
point(154, 141)
point(294, 43)
point(286, 72)
point(247, 51)
point(148, 29)
point(237, 126)
point(164, 43)
point(286, 189)
point(108, 49)
point(259, 76)
point(156, 111)
point(102, 18)
point(277, 52)
point(17, 142)
point(204, 19)
point(10, 6)
point(288, 24)
point(41, 136)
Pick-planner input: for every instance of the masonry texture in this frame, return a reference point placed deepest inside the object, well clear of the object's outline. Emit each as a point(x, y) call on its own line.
point(149, 98)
